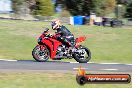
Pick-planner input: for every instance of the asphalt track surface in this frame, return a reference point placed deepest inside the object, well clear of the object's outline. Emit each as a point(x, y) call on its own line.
point(59, 65)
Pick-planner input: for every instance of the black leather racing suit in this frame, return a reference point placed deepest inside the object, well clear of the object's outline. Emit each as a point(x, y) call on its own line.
point(66, 37)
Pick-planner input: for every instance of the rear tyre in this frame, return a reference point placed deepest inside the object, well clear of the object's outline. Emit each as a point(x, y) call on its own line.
point(82, 55)
point(41, 55)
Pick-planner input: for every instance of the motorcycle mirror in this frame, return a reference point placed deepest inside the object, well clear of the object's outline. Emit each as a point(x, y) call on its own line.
point(46, 29)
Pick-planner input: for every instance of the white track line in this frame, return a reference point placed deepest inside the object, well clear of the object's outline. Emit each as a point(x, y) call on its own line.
point(78, 62)
point(7, 60)
point(78, 68)
point(108, 63)
point(99, 69)
point(69, 62)
point(128, 64)
point(74, 62)
point(101, 63)
point(110, 69)
point(90, 62)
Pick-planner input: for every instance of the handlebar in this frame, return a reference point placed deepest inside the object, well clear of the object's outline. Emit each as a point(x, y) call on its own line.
point(50, 35)
point(46, 30)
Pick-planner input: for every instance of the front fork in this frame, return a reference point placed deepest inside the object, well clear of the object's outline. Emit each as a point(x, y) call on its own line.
point(77, 48)
point(42, 47)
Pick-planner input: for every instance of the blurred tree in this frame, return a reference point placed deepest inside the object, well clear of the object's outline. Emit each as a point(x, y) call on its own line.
point(65, 13)
point(32, 4)
point(129, 10)
point(120, 11)
point(125, 9)
point(74, 6)
point(79, 7)
point(44, 8)
point(16, 5)
point(85, 7)
point(124, 2)
point(104, 7)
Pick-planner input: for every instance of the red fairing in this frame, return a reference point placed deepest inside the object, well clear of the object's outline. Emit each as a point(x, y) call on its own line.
point(42, 36)
point(52, 44)
point(55, 36)
point(80, 39)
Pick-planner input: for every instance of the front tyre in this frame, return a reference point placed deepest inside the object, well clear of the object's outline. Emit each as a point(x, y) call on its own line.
point(41, 53)
point(82, 54)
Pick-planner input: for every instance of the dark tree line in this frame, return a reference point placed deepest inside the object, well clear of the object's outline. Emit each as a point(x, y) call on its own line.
point(85, 7)
point(37, 7)
point(75, 7)
point(79, 7)
point(129, 10)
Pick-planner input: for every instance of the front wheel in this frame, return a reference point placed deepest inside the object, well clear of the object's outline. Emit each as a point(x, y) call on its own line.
point(82, 54)
point(41, 53)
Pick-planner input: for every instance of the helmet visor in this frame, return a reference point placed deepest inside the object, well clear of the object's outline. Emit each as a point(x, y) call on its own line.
point(53, 24)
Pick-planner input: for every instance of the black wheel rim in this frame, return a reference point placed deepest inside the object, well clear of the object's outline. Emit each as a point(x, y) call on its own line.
point(42, 55)
point(84, 55)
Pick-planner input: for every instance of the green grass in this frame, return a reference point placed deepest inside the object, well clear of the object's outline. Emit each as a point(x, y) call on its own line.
point(47, 80)
point(18, 38)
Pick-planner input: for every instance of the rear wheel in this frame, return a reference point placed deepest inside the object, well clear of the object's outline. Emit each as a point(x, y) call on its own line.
point(41, 54)
point(82, 54)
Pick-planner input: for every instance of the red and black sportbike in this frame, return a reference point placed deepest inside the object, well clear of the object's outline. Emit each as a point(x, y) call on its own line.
point(49, 47)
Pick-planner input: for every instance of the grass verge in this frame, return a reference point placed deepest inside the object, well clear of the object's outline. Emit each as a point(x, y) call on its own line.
point(47, 80)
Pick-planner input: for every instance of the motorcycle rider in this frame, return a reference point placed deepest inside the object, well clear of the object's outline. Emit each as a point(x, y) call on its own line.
point(66, 37)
